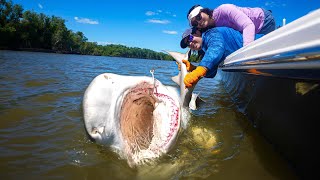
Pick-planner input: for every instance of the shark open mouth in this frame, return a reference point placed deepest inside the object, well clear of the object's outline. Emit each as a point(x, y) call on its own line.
point(149, 122)
point(138, 117)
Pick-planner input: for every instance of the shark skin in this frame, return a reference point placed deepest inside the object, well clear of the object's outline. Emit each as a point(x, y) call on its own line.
point(136, 116)
point(185, 93)
point(187, 97)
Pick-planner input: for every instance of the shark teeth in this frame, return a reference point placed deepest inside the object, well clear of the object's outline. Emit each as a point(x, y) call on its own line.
point(166, 122)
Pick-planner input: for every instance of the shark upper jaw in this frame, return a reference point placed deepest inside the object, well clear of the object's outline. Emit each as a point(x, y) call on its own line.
point(138, 116)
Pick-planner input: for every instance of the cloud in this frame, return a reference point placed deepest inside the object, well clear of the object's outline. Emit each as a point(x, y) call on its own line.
point(104, 43)
point(108, 43)
point(169, 32)
point(273, 4)
point(150, 13)
point(159, 12)
point(269, 3)
point(157, 21)
point(85, 21)
point(40, 6)
point(171, 14)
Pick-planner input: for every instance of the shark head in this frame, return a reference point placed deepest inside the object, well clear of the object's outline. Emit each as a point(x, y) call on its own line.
point(137, 116)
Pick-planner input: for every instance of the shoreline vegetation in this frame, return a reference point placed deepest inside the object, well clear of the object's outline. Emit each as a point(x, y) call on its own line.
point(30, 31)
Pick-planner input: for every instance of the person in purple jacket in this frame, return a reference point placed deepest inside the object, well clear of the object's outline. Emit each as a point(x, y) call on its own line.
point(249, 21)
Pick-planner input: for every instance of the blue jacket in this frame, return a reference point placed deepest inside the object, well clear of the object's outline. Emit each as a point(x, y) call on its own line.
point(218, 43)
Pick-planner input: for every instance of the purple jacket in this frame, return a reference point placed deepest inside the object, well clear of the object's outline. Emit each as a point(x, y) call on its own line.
point(248, 21)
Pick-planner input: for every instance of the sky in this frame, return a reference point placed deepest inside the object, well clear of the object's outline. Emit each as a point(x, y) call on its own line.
point(152, 24)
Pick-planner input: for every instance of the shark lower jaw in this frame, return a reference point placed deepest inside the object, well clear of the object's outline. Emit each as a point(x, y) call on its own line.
point(149, 122)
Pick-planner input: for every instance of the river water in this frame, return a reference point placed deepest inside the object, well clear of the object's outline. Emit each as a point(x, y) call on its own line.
point(42, 134)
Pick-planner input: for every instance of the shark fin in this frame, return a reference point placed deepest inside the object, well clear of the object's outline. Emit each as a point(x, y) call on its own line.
point(195, 101)
point(178, 56)
point(192, 103)
point(176, 78)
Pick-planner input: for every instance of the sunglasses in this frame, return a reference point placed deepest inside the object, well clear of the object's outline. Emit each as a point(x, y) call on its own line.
point(197, 19)
point(190, 39)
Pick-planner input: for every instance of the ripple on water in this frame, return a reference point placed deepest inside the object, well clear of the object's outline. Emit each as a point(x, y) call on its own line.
point(49, 97)
point(39, 83)
point(13, 117)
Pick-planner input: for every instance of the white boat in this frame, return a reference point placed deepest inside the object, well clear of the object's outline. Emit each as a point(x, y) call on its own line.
point(275, 81)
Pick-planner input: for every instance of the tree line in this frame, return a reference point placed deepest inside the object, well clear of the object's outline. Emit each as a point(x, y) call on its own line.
point(28, 30)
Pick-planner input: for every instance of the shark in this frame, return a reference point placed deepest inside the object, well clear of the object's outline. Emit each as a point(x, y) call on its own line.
point(138, 117)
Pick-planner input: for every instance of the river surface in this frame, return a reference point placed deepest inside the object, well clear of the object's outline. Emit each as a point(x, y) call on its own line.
point(42, 134)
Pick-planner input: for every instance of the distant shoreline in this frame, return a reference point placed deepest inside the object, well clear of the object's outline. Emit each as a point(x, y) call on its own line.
point(39, 50)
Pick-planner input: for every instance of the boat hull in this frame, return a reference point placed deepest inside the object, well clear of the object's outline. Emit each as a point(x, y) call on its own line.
point(284, 110)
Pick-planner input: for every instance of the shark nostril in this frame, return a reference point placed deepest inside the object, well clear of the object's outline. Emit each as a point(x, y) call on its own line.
point(97, 130)
point(94, 130)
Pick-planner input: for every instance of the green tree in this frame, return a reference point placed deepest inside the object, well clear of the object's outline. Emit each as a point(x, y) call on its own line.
point(60, 34)
point(9, 23)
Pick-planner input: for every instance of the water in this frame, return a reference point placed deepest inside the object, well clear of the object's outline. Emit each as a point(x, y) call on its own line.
point(42, 134)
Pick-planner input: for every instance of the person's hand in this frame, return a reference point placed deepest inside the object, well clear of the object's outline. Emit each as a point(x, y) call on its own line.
point(190, 67)
point(179, 68)
point(193, 77)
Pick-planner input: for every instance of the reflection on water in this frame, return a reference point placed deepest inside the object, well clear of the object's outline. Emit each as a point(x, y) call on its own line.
point(42, 132)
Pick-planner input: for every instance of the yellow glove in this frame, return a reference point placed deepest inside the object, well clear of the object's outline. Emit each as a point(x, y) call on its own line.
point(190, 67)
point(193, 77)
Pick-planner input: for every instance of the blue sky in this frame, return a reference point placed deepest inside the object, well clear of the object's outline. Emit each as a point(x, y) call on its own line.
point(152, 24)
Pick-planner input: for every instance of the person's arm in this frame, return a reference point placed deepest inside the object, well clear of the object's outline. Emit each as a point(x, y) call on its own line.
point(214, 44)
point(241, 22)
